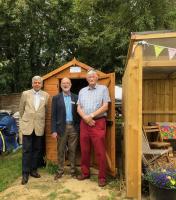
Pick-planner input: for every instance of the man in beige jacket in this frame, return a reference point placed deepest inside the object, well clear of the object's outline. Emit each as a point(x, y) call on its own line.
point(32, 110)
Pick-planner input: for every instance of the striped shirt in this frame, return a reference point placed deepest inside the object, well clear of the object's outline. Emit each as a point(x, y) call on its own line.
point(91, 99)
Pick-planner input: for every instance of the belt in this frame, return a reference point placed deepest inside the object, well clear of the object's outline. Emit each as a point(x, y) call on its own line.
point(96, 118)
point(69, 122)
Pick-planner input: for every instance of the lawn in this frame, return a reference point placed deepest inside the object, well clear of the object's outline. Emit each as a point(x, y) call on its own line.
point(47, 188)
point(10, 169)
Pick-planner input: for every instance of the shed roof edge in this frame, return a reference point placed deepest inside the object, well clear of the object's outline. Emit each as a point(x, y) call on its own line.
point(72, 62)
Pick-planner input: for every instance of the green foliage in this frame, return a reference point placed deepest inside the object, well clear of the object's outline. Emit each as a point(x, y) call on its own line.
point(10, 169)
point(37, 36)
point(52, 196)
point(51, 168)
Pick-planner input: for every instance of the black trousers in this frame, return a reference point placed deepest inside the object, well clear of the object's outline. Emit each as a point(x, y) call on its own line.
point(31, 150)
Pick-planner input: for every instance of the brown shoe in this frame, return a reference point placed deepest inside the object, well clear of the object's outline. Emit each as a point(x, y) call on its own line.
point(58, 175)
point(82, 177)
point(35, 174)
point(73, 174)
point(101, 182)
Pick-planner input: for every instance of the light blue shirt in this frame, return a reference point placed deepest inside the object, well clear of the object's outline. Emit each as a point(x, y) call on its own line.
point(68, 107)
point(91, 99)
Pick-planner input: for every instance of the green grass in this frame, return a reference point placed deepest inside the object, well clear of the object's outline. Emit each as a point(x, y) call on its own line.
point(51, 168)
point(10, 169)
point(52, 196)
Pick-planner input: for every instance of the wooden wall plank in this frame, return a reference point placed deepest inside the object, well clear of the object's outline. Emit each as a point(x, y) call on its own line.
point(160, 95)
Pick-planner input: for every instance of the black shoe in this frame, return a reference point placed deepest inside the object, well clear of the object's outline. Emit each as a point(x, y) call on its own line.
point(25, 179)
point(35, 174)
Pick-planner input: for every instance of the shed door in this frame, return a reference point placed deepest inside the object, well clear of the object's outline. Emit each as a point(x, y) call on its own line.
point(109, 81)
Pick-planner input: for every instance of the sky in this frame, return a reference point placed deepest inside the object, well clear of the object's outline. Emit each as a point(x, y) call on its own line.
point(118, 92)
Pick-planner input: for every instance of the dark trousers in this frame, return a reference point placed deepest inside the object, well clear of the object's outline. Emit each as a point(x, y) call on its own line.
point(31, 149)
point(71, 137)
point(96, 136)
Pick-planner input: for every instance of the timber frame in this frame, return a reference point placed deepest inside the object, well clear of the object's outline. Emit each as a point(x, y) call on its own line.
point(138, 71)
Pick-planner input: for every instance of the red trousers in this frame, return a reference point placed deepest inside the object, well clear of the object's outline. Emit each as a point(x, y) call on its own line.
point(96, 136)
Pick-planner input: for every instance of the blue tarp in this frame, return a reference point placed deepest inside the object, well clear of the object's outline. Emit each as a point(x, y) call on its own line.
point(9, 132)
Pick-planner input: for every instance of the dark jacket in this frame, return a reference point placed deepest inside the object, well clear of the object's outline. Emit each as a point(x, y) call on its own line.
point(58, 113)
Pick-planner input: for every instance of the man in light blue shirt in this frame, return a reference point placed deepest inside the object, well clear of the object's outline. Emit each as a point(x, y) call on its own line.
point(65, 126)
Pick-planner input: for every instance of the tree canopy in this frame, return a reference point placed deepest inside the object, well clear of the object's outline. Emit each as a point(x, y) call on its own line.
point(37, 36)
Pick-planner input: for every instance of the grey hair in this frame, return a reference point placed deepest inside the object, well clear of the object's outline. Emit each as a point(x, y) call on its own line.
point(37, 78)
point(91, 71)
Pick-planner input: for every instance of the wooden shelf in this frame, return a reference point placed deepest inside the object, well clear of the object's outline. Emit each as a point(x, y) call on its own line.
point(158, 112)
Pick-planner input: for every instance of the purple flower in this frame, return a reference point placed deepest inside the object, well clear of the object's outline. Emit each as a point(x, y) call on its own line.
point(162, 178)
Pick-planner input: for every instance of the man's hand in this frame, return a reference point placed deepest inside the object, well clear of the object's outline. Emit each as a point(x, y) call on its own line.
point(91, 123)
point(54, 135)
point(88, 120)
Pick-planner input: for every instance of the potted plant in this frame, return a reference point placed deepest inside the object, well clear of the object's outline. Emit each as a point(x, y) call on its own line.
point(162, 184)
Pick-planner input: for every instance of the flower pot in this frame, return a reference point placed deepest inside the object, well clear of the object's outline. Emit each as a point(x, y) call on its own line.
point(157, 193)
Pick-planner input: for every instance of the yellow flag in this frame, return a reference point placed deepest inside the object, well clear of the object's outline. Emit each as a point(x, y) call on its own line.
point(158, 50)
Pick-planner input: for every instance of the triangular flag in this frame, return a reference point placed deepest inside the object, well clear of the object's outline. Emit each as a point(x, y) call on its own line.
point(171, 52)
point(158, 50)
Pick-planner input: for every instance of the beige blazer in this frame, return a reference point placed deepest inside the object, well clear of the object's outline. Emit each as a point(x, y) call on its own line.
point(32, 119)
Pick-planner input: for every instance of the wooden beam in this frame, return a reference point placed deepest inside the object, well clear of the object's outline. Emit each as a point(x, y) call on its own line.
point(146, 36)
point(132, 84)
point(155, 75)
point(172, 75)
point(151, 112)
point(80, 75)
point(159, 63)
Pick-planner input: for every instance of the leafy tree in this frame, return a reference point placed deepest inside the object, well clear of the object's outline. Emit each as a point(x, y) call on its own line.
point(37, 36)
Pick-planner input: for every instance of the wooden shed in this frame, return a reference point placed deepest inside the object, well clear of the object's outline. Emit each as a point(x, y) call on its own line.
point(149, 93)
point(76, 71)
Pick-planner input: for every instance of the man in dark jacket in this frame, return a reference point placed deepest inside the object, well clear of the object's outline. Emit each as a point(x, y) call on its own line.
point(65, 125)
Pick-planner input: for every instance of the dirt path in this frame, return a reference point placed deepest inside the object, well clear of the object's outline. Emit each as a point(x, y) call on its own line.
point(66, 188)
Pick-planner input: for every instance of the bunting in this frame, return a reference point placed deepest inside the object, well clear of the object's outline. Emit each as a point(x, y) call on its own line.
point(171, 52)
point(158, 49)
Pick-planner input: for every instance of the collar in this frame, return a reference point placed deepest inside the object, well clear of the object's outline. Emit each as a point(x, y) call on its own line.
point(38, 92)
point(66, 95)
point(92, 88)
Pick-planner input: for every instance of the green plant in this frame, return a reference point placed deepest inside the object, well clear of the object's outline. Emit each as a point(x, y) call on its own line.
point(162, 178)
point(10, 169)
point(51, 168)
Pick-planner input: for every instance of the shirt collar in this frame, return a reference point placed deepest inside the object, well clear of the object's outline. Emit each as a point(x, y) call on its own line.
point(36, 92)
point(92, 88)
point(66, 95)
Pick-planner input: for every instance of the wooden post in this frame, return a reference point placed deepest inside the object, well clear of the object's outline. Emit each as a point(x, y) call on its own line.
point(132, 107)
